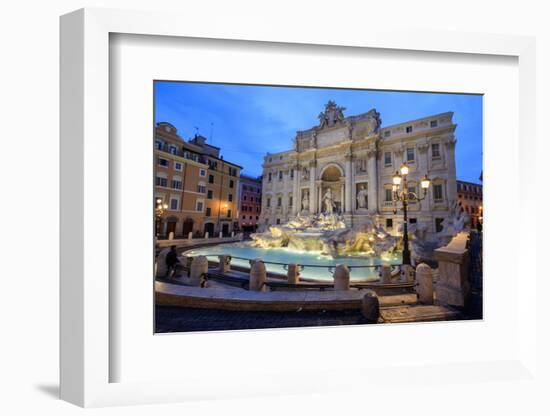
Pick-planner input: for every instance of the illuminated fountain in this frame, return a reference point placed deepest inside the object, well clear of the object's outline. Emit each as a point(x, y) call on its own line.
point(328, 235)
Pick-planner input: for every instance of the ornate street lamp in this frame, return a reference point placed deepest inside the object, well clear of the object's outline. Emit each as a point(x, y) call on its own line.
point(160, 209)
point(402, 194)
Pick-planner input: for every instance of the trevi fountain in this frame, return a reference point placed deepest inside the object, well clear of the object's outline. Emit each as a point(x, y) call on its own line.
point(321, 241)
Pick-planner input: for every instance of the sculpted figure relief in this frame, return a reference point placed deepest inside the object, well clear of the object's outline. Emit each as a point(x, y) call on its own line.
point(374, 122)
point(332, 115)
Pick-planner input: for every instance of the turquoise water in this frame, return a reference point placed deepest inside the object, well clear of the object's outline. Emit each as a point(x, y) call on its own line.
point(286, 256)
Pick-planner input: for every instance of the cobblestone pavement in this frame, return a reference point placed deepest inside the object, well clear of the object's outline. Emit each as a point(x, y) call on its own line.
point(175, 319)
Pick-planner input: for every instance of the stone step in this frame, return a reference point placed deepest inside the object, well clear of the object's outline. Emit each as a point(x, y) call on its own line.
point(419, 313)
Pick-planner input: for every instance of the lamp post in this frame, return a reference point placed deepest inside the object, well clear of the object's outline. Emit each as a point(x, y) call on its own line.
point(160, 208)
point(402, 194)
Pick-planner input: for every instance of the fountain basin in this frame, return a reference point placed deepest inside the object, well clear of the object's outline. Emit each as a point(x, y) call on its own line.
point(316, 265)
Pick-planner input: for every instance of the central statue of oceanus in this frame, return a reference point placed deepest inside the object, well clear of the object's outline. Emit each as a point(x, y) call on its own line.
point(328, 201)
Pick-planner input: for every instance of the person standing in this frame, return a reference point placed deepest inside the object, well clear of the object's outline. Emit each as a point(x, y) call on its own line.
point(171, 262)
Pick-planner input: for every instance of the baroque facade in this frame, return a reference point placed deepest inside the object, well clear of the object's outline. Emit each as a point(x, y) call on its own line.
point(349, 162)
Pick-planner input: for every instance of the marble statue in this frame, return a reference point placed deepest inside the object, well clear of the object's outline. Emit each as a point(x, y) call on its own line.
point(332, 115)
point(362, 197)
point(328, 200)
point(305, 202)
point(423, 243)
point(327, 233)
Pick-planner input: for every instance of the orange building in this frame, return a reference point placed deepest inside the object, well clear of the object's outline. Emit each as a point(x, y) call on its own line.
point(470, 199)
point(196, 185)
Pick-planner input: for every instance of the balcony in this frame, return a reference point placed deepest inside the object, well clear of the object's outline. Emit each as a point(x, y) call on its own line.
point(184, 154)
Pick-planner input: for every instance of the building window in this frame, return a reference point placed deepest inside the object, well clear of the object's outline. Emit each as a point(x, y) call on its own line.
point(438, 225)
point(174, 202)
point(231, 183)
point(387, 159)
point(163, 162)
point(291, 173)
point(280, 175)
point(435, 151)
point(162, 181)
point(257, 218)
point(409, 129)
point(178, 166)
point(279, 201)
point(201, 188)
point(438, 192)
point(278, 220)
point(230, 197)
point(158, 144)
point(202, 172)
point(244, 198)
point(269, 177)
point(244, 217)
point(389, 223)
point(228, 213)
point(433, 123)
point(177, 184)
point(173, 149)
point(208, 212)
point(410, 154)
point(389, 196)
point(268, 202)
point(200, 205)
point(210, 178)
point(210, 194)
point(412, 220)
point(289, 201)
point(387, 133)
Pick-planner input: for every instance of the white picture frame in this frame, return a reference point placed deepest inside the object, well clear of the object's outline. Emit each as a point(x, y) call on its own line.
point(86, 355)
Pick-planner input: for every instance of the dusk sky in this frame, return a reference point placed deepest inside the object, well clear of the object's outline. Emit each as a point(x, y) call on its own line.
point(246, 122)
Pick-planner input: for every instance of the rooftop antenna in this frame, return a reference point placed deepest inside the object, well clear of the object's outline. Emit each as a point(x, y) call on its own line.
point(196, 131)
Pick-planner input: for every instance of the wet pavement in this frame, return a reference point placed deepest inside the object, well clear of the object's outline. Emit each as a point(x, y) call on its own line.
point(177, 319)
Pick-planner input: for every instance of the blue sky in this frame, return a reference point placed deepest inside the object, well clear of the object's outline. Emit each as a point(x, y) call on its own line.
point(246, 121)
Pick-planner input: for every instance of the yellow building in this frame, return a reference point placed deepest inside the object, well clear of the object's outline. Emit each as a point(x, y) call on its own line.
point(197, 187)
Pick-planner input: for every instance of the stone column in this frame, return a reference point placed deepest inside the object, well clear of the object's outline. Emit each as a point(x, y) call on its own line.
point(424, 278)
point(452, 286)
point(370, 307)
point(296, 199)
point(341, 277)
point(423, 170)
point(372, 173)
point(258, 276)
point(385, 274)
point(286, 178)
point(162, 269)
point(224, 263)
point(199, 267)
point(348, 192)
point(319, 187)
point(342, 197)
point(312, 188)
point(451, 164)
point(293, 273)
